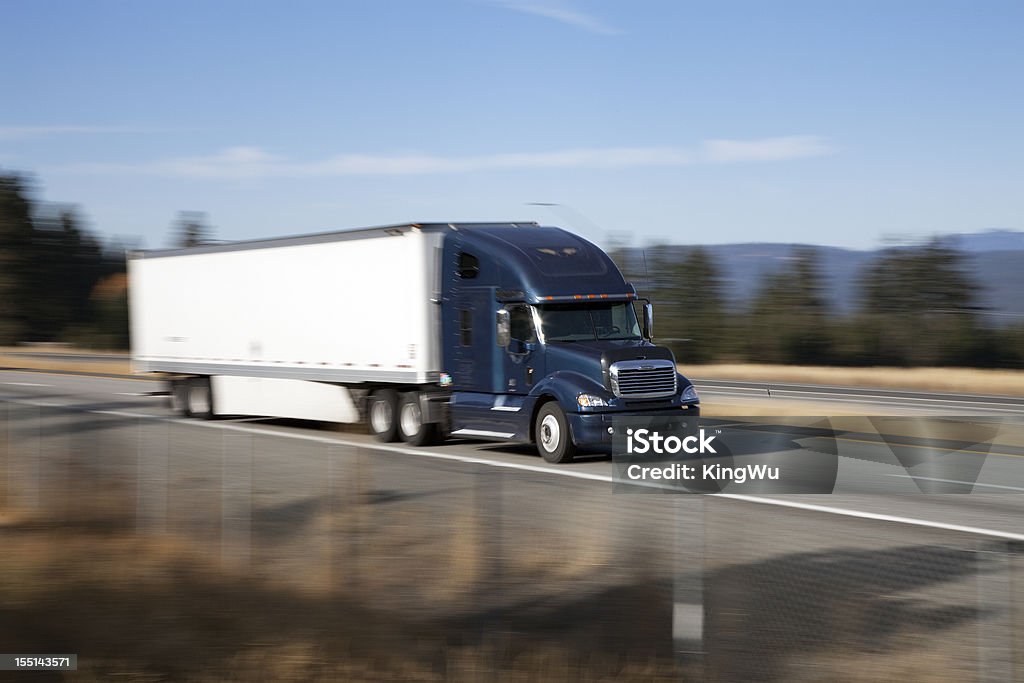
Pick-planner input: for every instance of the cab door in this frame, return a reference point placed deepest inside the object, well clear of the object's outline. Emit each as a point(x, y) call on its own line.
point(479, 404)
point(523, 362)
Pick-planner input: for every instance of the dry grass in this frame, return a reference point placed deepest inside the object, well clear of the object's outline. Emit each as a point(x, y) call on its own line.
point(141, 608)
point(957, 380)
point(100, 362)
point(773, 407)
point(409, 587)
point(412, 604)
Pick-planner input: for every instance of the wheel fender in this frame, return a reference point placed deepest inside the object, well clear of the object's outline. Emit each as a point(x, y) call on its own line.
point(564, 386)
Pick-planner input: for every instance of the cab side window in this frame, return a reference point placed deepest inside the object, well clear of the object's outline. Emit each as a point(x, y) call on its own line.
point(465, 327)
point(521, 324)
point(469, 265)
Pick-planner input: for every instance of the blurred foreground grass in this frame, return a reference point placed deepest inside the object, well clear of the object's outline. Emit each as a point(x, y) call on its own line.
point(158, 553)
point(140, 608)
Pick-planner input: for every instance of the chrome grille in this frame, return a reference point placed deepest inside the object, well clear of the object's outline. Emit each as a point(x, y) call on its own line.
point(643, 378)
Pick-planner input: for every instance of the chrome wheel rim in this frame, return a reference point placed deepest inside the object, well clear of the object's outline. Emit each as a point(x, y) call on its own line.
point(411, 419)
point(380, 416)
point(550, 433)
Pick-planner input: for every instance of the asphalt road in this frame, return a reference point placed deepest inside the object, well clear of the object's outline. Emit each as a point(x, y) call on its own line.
point(994, 505)
point(850, 397)
point(491, 536)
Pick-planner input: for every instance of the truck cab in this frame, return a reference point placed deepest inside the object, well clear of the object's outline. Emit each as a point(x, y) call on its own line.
point(542, 343)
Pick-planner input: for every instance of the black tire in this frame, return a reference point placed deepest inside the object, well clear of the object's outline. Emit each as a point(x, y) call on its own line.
point(551, 434)
point(381, 415)
point(199, 398)
point(410, 422)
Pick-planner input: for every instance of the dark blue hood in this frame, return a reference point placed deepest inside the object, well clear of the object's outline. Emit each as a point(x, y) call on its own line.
point(592, 358)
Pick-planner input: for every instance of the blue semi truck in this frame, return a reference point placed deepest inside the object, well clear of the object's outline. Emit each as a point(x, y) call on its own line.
point(425, 331)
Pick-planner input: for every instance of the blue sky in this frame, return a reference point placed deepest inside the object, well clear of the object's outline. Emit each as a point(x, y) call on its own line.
point(830, 122)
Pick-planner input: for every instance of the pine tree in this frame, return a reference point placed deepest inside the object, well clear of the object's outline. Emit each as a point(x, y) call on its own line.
point(692, 313)
point(16, 242)
point(191, 229)
point(790, 320)
point(919, 307)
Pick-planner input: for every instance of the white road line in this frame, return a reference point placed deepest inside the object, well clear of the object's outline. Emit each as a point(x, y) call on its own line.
point(759, 500)
point(956, 481)
point(862, 391)
point(707, 389)
point(25, 384)
point(889, 401)
point(893, 399)
point(376, 447)
point(854, 398)
point(975, 531)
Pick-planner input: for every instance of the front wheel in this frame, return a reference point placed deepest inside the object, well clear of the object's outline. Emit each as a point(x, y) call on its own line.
point(551, 433)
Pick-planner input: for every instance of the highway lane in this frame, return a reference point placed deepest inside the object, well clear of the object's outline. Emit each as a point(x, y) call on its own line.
point(995, 506)
point(492, 535)
point(851, 397)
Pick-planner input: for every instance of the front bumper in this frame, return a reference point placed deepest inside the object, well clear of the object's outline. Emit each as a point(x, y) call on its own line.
point(591, 430)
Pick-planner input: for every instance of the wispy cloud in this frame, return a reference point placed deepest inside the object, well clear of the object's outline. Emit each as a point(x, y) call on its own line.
point(767, 149)
point(254, 162)
point(558, 11)
point(22, 132)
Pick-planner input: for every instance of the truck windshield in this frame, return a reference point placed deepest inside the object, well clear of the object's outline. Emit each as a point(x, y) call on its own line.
point(585, 322)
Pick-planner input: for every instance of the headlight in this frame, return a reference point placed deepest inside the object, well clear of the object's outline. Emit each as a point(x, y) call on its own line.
point(590, 401)
point(689, 394)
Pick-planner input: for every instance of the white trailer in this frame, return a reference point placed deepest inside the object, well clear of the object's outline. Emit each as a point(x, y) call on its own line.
point(290, 327)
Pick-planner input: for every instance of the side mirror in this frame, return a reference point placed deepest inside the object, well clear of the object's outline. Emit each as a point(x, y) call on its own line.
point(649, 321)
point(503, 328)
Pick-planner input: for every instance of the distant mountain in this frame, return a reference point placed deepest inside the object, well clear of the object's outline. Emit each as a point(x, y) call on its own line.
point(990, 240)
point(1001, 274)
point(996, 260)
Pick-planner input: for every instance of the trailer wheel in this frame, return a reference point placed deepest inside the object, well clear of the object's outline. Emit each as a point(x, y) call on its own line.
point(380, 413)
point(410, 422)
point(199, 398)
point(178, 393)
point(551, 433)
